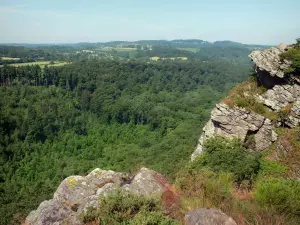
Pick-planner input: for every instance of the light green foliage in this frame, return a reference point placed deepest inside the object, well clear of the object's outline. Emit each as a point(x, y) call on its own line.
point(42, 64)
point(201, 188)
point(293, 55)
point(229, 155)
point(270, 168)
point(279, 193)
point(125, 208)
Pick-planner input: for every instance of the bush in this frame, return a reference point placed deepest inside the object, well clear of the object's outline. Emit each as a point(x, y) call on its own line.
point(270, 168)
point(293, 55)
point(126, 208)
point(229, 155)
point(203, 188)
point(279, 193)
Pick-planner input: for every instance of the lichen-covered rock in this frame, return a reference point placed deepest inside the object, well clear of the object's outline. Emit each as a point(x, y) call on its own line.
point(237, 122)
point(52, 212)
point(73, 190)
point(208, 217)
point(76, 194)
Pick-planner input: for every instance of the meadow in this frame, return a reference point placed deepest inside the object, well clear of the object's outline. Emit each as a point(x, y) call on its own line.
point(9, 58)
point(42, 64)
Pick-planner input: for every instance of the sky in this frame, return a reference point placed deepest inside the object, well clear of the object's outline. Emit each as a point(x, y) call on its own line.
point(72, 21)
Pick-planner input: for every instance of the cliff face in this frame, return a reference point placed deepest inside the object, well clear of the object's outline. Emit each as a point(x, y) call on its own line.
point(282, 98)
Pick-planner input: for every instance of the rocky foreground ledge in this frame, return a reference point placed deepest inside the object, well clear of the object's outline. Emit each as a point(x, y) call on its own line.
point(77, 193)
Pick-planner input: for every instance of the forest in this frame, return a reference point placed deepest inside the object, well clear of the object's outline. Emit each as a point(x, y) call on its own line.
point(111, 114)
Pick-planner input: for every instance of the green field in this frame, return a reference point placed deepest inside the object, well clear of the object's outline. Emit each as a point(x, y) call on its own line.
point(42, 64)
point(195, 50)
point(155, 58)
point(9, 58)
point(109, 49)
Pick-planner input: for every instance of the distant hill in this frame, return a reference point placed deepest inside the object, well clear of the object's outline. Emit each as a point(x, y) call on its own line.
point(180, 43)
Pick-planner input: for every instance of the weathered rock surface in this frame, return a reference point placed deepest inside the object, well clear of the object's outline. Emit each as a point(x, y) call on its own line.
point(147, 182)
point(237, 122)
point(281, 95)
point(268, 62)
point(76, 193)
point(208, 216)
point(293, 119)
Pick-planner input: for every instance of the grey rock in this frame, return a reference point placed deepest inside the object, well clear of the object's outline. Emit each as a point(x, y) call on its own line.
point(294, 116)
point(147, 182)
point(52, 212)
point(269, 60)
point(93, 200)
point(77, 193)
point(269, 67)
point(208, 217)
point(281, 95)
point(73, 190)
point(237, 122)
point(265, 136)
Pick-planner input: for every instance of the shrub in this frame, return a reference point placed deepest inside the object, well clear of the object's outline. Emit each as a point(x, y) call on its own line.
point(229, 155)
point(279, 193)
point(126, 208)
point(293, 55)
point(203, 188)
point(270, 168)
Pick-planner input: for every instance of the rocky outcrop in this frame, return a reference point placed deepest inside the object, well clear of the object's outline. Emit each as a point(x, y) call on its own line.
point(208, 216)
point(240, 123)
point(76, 193)
point(282, 97)
point(268, 65)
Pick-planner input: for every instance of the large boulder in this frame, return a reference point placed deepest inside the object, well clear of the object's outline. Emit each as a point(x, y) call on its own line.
point(208, 217)
point(147, 182)
point(237, 122)
point(52, 212)
point(77, 193)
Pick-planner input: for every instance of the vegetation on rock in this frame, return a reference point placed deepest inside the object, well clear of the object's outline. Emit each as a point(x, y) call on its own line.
point(293, 55)
point(125, 208)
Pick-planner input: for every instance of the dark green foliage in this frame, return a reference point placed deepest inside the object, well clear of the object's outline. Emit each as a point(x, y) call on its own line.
point(126, 208)
point(58, 122)
point(227, 155)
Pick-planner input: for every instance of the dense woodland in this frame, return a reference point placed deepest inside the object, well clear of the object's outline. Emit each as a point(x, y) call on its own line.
point(111, 114)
